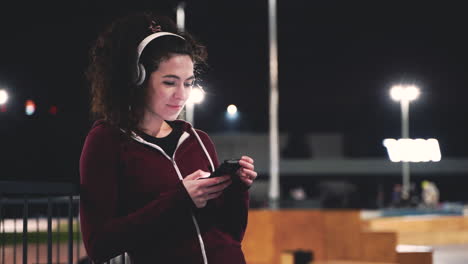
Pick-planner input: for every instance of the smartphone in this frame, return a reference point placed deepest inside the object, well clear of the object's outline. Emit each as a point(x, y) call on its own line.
point(228, 167)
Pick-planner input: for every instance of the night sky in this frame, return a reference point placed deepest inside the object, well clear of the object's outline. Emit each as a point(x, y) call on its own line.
point(337, 61)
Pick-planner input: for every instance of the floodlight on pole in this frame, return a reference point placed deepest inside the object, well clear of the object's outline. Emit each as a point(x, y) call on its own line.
point(405, 94)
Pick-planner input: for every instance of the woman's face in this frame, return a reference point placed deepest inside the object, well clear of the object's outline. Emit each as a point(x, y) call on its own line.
point(169, 87)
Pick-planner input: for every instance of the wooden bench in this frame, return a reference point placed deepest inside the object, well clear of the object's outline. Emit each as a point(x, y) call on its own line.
point(289, 258)
point(423, 230)
point(332, 235)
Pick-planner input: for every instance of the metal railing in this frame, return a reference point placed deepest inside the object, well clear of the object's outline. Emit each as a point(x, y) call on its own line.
point(44, 216)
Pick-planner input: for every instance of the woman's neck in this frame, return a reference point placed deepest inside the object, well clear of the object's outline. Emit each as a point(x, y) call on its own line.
point(155, 127)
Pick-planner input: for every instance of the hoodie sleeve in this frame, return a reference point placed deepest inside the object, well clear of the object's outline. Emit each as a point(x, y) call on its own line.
point(107, 234)
point(233, 205)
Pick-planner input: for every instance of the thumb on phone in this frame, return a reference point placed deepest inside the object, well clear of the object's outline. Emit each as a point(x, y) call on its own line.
point(197, 174)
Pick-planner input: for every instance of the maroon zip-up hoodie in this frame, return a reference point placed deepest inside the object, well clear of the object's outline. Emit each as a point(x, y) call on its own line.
point(133, 200)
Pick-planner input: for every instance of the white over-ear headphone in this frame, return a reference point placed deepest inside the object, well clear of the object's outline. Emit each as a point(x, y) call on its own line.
point(140, 70)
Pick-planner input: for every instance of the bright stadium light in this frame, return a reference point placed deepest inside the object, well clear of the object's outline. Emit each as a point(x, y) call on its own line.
point(231, 112)
point(413, 150)
point(408, 93)
point(232, 109)
point(196, 97)
point(3, 97)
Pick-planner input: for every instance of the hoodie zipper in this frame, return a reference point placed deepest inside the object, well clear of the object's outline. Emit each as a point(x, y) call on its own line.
point(184, 136)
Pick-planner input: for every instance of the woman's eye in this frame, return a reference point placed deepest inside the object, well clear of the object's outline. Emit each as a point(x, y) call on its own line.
point(188, 84)
point(168, 83)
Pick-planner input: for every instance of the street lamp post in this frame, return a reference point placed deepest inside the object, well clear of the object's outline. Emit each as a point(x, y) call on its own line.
point(274, 187)
point(405, 94)
point(180, 20)
point(180, 16)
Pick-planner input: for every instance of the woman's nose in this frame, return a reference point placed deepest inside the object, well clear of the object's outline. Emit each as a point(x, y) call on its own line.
point(181, 92)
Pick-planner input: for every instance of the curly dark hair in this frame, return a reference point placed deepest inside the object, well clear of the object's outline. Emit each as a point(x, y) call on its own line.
point(115, 97)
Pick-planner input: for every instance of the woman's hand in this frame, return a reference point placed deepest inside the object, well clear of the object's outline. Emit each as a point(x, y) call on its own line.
point(246, 173)
point(202, 190)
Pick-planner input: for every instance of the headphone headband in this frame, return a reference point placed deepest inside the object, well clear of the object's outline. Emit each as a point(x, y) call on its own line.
point(149, 38)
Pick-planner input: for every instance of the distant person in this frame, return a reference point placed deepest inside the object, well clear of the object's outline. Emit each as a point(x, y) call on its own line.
point(430, 194)
point(140, 166)
point(396, 195)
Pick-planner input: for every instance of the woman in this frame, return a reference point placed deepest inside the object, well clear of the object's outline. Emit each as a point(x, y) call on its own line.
point(140, 167)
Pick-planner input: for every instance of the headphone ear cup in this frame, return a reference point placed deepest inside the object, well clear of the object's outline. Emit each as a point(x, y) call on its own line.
point(141, 74)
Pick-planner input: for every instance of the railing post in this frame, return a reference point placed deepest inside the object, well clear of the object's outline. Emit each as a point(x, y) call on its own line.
point(2, 227)
point(78, 240)
point(70, 229)
point(49, 230)
point(37, 238)
point(14, 239)
point(25, 230)
point(57, 236)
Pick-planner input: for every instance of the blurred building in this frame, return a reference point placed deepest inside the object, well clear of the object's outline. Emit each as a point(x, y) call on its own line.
point(319, 163)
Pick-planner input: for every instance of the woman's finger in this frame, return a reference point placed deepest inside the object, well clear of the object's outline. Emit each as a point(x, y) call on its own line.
point(207, 182)
point(248, 159)
point(251, 174)
point(246, 164)
point(246, 181)
point(218, 187)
